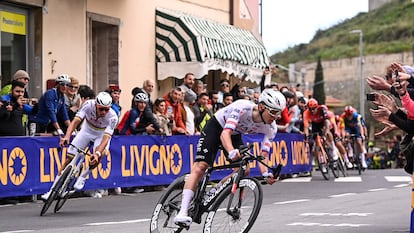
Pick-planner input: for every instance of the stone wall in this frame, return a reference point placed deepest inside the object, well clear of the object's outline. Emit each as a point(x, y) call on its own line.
point(342, 77)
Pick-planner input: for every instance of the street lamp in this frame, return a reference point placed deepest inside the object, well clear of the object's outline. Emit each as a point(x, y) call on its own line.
point(361, 66)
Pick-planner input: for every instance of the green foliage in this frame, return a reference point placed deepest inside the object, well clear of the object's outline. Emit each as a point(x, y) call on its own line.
point(388, 29)
point(319, 86)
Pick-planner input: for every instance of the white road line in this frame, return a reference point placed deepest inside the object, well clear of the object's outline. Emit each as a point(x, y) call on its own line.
point(398, 178)
point(290, 202)
point(326, 224)
point(401, 185)
point(299, 179)
point(349, 179)
point(337, 214)
point(18, 231)
point(120, 222)
point(342, 195)
point(376, 190)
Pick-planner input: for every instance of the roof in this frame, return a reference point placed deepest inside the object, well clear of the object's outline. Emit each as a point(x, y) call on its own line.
point(181, 37)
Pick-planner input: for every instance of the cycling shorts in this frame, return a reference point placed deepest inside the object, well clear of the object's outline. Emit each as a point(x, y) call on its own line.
point(209, 142)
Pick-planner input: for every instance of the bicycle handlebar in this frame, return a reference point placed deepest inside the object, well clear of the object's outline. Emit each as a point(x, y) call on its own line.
point(247, 156)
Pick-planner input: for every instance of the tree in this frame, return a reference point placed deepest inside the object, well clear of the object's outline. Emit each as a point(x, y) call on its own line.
point(319, 84)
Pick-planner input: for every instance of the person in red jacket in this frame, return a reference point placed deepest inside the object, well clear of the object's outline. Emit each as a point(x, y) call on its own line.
point(173, 106)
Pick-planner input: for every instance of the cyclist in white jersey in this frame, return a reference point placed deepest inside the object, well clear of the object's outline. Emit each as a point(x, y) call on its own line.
point(99, 122)
point(225, 128)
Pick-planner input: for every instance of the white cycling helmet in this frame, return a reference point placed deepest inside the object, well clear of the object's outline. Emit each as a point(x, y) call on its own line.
point(141, 97)
point(273, 99)
point(104, 99)
point(63, 78)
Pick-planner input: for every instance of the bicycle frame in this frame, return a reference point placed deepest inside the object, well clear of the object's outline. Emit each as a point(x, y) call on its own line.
point(75, 167)
point(201, 205)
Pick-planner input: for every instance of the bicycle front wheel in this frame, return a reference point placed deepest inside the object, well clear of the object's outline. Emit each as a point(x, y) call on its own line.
point(167, 208)
point(54, 192)
point(235, 212)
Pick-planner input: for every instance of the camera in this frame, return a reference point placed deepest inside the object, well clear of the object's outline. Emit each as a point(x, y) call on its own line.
point(371, 97)
point(5, 103)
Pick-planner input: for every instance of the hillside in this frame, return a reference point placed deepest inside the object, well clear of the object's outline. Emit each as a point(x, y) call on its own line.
point(388, 29)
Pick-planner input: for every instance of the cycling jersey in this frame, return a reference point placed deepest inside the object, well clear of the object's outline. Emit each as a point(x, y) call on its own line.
point(351, 125)
point(93, 128)
point(317, 119)
point(237, 117)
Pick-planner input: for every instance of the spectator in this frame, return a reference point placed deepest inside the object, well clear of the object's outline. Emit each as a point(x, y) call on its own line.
point(202, 111)
point(227, 98)
point(166, 122)
point(141, 121)
point(188, 102)
point(173, 106)
point(115, 93)
point(213, 101)
point(52, 104)
point(147, 88)
point(224, 88)
point(199, 87)
point(11, 111)
point(188, 83)
point(72, 101)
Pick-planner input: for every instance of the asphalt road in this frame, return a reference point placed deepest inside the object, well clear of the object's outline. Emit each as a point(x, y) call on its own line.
point(378, 201)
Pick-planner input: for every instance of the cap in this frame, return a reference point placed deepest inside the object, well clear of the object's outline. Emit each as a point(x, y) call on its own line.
point(21, 74)
point(288, 94)
point(113, 87)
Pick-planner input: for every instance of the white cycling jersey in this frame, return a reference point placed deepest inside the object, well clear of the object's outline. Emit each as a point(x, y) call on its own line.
point(238, 117)
point(93, 128)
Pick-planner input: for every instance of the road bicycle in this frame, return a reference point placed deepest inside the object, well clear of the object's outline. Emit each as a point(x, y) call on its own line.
point(355, 159)
point(322, 154)
point(233, 207)
point(64, 186)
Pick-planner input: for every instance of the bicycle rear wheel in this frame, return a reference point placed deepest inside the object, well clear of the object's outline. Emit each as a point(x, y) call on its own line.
point(54, 192)
point(235, 212)
point(167, 208)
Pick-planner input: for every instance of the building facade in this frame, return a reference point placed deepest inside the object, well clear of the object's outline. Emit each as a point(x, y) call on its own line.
point(104, 42)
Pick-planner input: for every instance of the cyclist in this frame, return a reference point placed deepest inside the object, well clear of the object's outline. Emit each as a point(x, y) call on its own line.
point(320, 120)
point(351, 124)
point(226, 128)
point(99, 122)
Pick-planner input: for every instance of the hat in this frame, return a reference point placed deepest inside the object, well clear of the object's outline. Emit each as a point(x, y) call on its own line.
point(21, 74)
point(113, 87)
point(190, 97)
point(288, 94)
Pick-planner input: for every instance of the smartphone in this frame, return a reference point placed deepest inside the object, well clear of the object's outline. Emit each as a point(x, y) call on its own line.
point(371, 97)
point(397, 76)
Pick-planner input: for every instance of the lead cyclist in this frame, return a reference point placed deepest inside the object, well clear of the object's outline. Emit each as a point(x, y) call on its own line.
point(226, 128)
point(99, 122)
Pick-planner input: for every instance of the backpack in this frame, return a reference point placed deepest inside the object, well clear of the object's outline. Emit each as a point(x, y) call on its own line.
point(123, 127)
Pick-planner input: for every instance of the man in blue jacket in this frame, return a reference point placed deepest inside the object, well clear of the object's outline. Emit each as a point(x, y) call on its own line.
point(51, 104)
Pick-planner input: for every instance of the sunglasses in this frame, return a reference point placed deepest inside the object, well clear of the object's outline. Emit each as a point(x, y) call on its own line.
point(73, 87)
point(225, 85)
point(312, 109)
point(273, 112)
point(103, 109)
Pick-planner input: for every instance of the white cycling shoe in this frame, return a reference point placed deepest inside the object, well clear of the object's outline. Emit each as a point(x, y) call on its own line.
point(45, 196)
point(80, 182)
point(349, 165)
point(183, 220)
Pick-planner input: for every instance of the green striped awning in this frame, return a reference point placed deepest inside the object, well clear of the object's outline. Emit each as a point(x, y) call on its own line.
point(181, 37)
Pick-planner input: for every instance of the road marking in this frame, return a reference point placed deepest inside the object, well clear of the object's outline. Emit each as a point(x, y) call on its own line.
point(398, 178)
point(120, 222)
point(401, 185)
point(337, 214)
point(376, 190)
point(299, 179)
point(342, 195)
point(290, 202)
point(349, 179)
point(326, 224)
point(18, 231)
